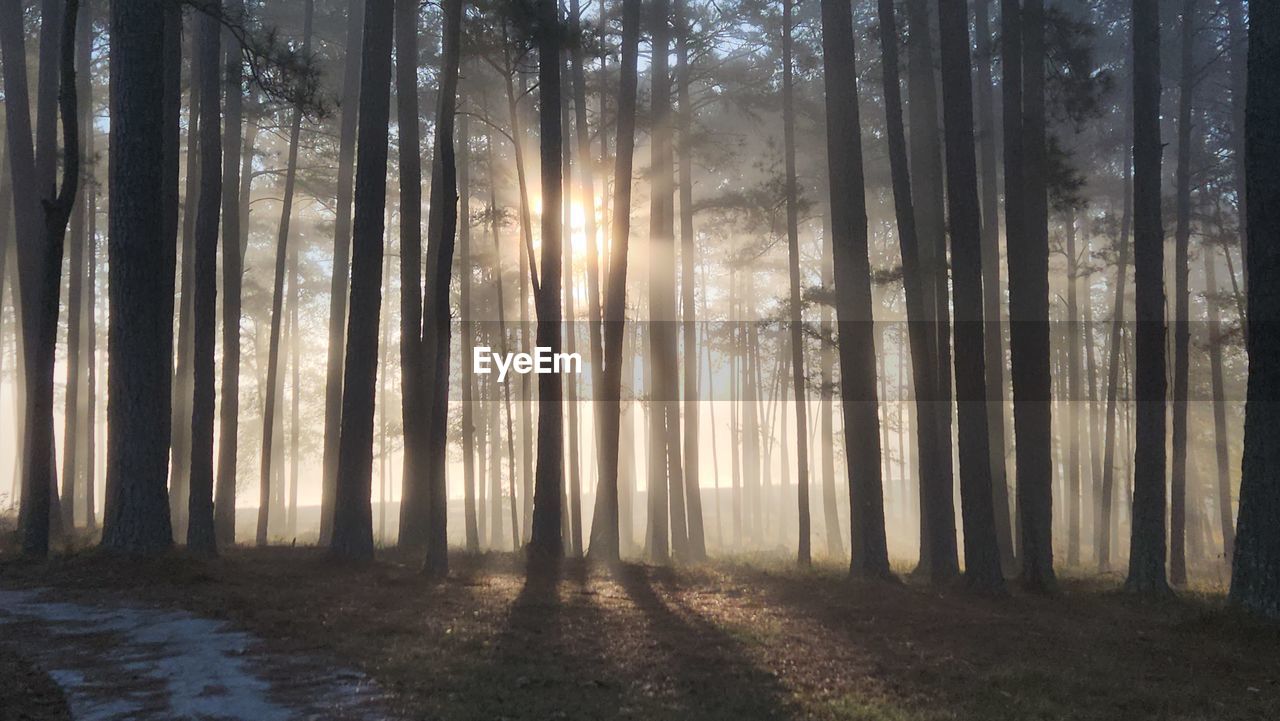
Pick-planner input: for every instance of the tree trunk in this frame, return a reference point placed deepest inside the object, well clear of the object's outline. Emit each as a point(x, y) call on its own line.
point(277, 302)
point(465, 271)
point(414, 509)
point(993, 334)
point(1026, 220)
point(1181, 301)
point(605, 532)
point(1222, 443)
point(1073, 396)
point(73, 470)
point(1255, 572)
point(545, 541)
point(232, 282)
point(502, 347)
point(1147, 547)
point(827, 442)
point(140, 340)
point(353, 515)
point(295, 397)
point(793, 269)
point(201, 529)
point(688, 261)
point(572, 517)
point(183, 382)
point(340, 280)
point(981, 550)
point(1105, 521)
point(662, 314)
point(920, 333)
point(869, 551)
point(442, 227)
point(938, 549)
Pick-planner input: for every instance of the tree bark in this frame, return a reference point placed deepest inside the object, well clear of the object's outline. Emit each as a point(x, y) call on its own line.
point(992, 311)
point(183, 381)
point(1255, 572)
point(1181, 302)
point(1104, 530)
point(1026, 220)
point(1222, 443)
point(1147, 547)
point(545, 540)
point(73, 469)
point(140, 339)
point(232, 284)
point(353, 515)
point(605, 521)
point(981, 550)
point(869, 551)
point(442, 228)
point(277, 301)
point(414, 509)
point(938, 532)
point(688, 265)
point(793, 270)
point(201, 530)
point(340, 280)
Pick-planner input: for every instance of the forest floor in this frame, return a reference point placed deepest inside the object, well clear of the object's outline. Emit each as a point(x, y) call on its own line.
point(728, 640)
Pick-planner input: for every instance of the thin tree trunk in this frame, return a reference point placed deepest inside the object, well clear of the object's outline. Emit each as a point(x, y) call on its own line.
point(295, 397)
point(826, 362)
point(502, 341)
point(73, 475)
point(277, 304)
point(1181, 301)
point(1104, 530)
point(470, 517)
point(1222, 443)
point(605, 530)
point(1073, 395)
point(232, 282)
point(793, 268)
point(688, 260)
point(340, 280)
point(572, 516)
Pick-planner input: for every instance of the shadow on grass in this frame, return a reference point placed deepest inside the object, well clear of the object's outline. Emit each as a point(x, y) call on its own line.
point(548, 660)
point(708, 672)
point(1089, 653)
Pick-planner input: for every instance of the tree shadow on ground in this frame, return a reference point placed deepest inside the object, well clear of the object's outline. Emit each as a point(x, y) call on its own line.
point(705, 673)
point(1084, 654)
point(547, 661)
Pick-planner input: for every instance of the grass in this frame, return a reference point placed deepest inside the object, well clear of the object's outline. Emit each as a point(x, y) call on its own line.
point(729, 640)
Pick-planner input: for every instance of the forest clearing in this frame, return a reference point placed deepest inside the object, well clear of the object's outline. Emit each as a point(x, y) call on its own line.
point(740, 638)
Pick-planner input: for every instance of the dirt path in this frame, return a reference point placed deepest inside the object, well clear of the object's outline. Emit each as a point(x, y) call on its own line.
point(127, 662)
